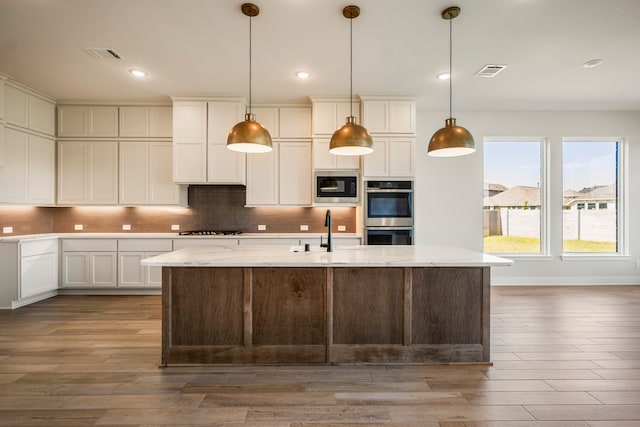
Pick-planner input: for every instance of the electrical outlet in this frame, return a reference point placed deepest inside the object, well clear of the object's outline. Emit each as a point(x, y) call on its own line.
point(78, 227)
point(126, 227)
point(304, 228)
point(7, 230)
point(342, 228)
point(262, 227)
point(175, 227)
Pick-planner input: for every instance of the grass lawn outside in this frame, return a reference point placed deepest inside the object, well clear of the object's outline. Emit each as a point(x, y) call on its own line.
point(513, 244)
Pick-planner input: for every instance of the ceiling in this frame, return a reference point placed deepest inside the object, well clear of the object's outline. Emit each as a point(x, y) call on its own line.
point(201, 48)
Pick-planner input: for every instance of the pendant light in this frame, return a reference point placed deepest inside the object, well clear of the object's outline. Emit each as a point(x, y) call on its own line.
point(351, 139)
point(451, 140)
point(249, 136)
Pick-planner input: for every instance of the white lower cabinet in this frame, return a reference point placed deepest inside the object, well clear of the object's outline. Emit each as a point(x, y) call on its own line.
point(248, 241)
point(89, 263)
point(29, 271)
point(131, 252)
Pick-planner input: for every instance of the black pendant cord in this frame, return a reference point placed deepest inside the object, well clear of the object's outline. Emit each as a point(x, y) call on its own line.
point(250, 38)
point(351, 67)
point(450, 69)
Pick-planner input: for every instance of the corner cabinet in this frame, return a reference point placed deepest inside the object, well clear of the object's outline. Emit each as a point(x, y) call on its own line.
point(392, 125)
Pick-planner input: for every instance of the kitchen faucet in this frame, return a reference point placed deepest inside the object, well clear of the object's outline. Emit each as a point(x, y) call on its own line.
point(327, 223)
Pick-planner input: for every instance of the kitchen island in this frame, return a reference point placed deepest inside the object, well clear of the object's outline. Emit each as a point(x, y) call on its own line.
point(359, 304)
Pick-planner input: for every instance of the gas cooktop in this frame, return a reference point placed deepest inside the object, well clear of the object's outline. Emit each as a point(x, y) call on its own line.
point(210, 232)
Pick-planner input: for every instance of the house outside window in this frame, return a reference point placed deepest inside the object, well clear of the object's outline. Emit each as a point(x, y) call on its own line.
point(592, 179)
point(515, 208)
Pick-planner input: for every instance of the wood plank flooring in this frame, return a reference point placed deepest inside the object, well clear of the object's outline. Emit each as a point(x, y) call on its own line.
point(562, 357)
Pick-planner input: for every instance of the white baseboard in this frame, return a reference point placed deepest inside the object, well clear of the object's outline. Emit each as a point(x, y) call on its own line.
point(564, 281)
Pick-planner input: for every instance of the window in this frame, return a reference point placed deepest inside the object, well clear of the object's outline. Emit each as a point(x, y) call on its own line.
point(514, 195)
point(591, 177)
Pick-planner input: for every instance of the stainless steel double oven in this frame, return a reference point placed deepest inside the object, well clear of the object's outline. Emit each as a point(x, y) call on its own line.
point(388, 212)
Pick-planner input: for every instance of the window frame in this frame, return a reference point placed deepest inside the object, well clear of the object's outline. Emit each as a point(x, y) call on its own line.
point(545, 191)
point(622, 214)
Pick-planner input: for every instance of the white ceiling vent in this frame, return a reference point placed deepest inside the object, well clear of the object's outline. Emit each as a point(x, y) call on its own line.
point(490, 70)
point(103, 53)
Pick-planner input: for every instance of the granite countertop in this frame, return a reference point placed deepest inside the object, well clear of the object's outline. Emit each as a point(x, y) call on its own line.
point(174, 235)
point(219, 255)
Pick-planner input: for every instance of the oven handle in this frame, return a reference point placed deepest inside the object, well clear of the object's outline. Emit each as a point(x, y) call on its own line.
point(368, 190)
point(372, 227)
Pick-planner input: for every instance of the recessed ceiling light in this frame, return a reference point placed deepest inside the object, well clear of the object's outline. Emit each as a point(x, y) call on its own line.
point(592, 64)
point(138, 73)
point(443, 76)
point(303, 75)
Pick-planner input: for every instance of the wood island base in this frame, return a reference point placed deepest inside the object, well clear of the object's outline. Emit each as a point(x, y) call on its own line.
point(324, 315)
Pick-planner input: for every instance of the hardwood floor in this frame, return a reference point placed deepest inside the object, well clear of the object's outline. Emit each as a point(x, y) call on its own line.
point(562, 357)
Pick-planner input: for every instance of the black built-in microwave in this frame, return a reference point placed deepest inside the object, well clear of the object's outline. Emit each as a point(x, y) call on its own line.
point(336, 187)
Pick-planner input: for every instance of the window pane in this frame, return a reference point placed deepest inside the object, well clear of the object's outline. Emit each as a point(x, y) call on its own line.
point(512, 201)
point(590, 196)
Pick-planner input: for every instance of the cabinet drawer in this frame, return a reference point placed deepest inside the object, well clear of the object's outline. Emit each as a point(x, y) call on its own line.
point(38, 247)
point(89, 245)
point(145, 245)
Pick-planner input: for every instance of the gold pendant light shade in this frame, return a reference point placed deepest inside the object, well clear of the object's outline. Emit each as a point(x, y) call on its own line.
point(249, 136)
point(451, 140)
point(351, 140)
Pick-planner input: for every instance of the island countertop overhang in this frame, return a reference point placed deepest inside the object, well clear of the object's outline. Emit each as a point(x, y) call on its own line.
point(217, 255)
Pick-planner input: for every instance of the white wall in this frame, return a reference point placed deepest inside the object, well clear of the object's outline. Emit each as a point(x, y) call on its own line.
point(448, 202)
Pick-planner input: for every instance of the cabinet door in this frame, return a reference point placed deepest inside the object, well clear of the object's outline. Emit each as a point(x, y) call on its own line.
point(322, 159)
point(16, 106)
point(162, 190)
point(189, 142)
point(376, 116)
point(75, 269)
point(134, 121)
point(14, 175)
point(103, 121)
point(42, 115)
point(103, 267)
point(377, 163)
point(324, 118)
point(295, 173)
point(221, 117)
point(225, 166)
point(134, 173)
point(153, 275)
point(72, 120)
point(344, 110)
point(269, 118)
point(41, 170)
point(38, 274)
point(295, 122)
point(102, 173)
point(130, 272)
point(402, 117)
point(401, 154)
point(160, 122)
point(262, 177)
point(72, 172)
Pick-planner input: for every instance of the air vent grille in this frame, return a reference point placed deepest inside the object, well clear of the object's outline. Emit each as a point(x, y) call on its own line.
point(490, 70)
point(103, 53)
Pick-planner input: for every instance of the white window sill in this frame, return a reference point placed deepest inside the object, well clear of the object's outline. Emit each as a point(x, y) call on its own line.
point(594, 257)
point(524, 257)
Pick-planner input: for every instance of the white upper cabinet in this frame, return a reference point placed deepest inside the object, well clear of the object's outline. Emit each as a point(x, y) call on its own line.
point(269, 118)
point(295, 178)
point(262, 178)
point(330, 114)
point(145, 174)
point(87, 121)
point(88, 172)
point(28, 176)
point(29, 111)
point(324, 160)
point(189, 142)
point(391, 157)
point(295, 122)
point(224, 166)
point(145, 121)
point(391, 116)
point(1, 98)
